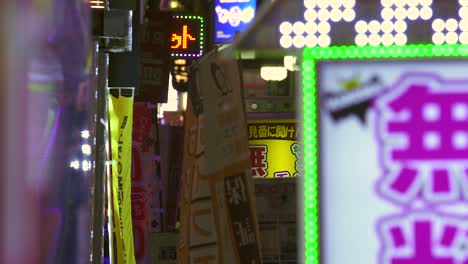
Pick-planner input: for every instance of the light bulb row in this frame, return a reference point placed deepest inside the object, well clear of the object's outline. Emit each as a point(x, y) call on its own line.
point(324, 4)
point(408, 3)
point(335, 14)
point(386, 39)
point(375, 26)
point(300, 41)
point(401, 13)
point(450, 38)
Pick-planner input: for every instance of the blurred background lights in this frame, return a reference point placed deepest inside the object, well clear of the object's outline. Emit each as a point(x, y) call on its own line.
point(412, 3)
point(400, 26)
point(413, 13)
point(323, 14)
point(311, 28)
point(336, 3)
point(387, 26)
point(463, 25)
point(401, 39)
point(75, 164)
point(438, 25)
point(463, 2)
point(323, 4)
point(400, 3)
point(286, 41)
point(387, 13)
point(286, 28)
point(361, 27)
point(361, 39)
point(425, 2)
point(298, 28)
point(387, 3)
point(438, 38)
point(451, 25)
point(310, 3)
point(85, 134)
point(387, 39)
point(464, 38)
point(349, 15)
point(336, 15)
point(374, 26)
point(374, 39)
point(310, 15)
point(400, 13)
point(86, 165)
point(425, 13)
point(299, 41)
point(324, 40)
point(311, 41)
point(324, 28)
point(86, 149)
point(463, 13)
point(349, 4)
point(451, 38)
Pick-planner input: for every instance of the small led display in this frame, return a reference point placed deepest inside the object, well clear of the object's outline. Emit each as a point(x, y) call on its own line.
point(232, 16)
point(186, 37)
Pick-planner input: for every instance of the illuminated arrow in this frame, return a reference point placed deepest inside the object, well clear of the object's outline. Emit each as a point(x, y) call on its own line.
point(181, 39)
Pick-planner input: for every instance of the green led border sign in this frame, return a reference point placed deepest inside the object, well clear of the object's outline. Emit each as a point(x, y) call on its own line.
point(187, 36)
point(310, 112)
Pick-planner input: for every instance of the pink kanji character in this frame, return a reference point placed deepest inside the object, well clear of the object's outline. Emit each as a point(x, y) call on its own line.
point(258, 160)
point(434, 123)
point(416, 240)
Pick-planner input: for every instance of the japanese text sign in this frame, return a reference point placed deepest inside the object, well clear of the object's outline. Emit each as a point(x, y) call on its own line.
point(186, 36)
point(391, 141)
point(274, 151)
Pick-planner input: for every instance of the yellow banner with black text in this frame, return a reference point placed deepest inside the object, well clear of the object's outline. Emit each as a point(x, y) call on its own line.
point(121, 120)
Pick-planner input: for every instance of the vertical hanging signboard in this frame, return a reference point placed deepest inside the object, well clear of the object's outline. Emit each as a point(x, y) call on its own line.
point(121, 121)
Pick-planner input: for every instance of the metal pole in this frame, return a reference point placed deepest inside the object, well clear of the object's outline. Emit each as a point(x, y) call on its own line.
point(100, 160)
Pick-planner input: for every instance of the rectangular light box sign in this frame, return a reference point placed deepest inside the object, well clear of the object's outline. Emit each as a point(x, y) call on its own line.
point(232, 16)
point(386, 154)
point(187, 36)
point(274, 150)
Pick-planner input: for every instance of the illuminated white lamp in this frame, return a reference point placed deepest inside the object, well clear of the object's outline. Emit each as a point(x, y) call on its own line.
point(311, 28)
point(425, 3)
point(374, 39)
point(286, 41)
point(298, 28)
point(324, 28)
point(400, 3)
point(387, 13)
point(323, 14)
point(463, 2)
point(463, 25)
point(387, 39)
point(336, 3)
point(86, 165)
point(400, 39)
point(75, 164)
point(349, 15)
point(86, 149)
point(299, 41)
point(451, 25)
point(285, 28)
point(361, 39)
point(451, 38)
point(387, 3)
point(336, 15)
point(85, 134)
point(310, 15)
point(463, 13)
point(438, 25)
point(374, 26)
point(413, 13)
point(425, 13)
point(412, 3)
point(400, 13)
point(324, 40)
point(290, 62)
point(311, 41)
point(361, 27)
point(310, 3)
point(464, 38)
point(349, 3)
point(273, 73)
point(438, 38)
point(400, 26)
point(323, 4)
point(387, 26)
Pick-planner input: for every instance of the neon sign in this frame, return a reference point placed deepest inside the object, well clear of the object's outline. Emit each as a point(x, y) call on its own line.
point(186, 36)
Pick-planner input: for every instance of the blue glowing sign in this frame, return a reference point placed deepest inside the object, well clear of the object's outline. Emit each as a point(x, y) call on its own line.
point(232, 16)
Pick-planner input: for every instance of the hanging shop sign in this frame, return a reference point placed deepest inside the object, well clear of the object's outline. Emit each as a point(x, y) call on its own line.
point(121, 121)
point(388, 144)
point(232, 16)
point(274, 149)
point(186, 36)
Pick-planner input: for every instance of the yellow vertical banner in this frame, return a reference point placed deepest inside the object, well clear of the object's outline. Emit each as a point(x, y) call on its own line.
point(121, 122)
